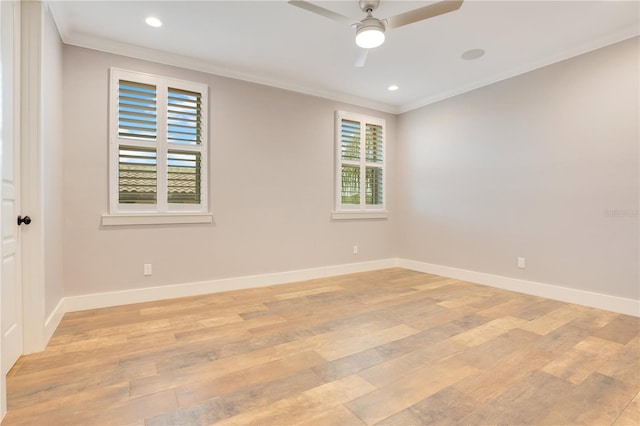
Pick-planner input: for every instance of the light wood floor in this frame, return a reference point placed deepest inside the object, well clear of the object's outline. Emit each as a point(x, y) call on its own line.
point(391, 347)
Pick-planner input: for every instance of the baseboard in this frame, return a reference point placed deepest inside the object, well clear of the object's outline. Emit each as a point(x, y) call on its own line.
point(149, 294)
point(54, 319)
point(564, 294)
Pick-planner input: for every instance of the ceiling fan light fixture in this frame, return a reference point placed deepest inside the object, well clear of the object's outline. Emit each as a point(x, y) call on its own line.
point(370, 33)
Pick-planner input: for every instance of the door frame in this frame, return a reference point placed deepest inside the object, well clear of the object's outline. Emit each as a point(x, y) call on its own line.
point(28, 114)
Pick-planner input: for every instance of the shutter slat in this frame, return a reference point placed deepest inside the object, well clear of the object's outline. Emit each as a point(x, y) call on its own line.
point(189, 119)
point(129, 123)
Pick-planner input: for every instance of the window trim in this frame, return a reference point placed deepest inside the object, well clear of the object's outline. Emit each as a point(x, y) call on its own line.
point(155, 219)
point(361, 211)
point(162, 211)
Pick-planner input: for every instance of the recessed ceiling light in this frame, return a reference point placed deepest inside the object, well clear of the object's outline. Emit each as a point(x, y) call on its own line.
point(392, 88)
point(472, 54)
point(153, 22)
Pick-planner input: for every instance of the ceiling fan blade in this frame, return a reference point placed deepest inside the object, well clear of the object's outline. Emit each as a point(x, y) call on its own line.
point(426, 12)
point(361, 58)
point(321, 11)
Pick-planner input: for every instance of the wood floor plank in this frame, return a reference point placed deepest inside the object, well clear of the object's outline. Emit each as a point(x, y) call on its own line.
point(521, 404)
point(597, 400)
point(491, 352)
point(210, 371)
point(448, 406)
point(631, 414)
point(311, 403)
point(388, 372)
point(491, 382)
point(574, 365)
point(336, 415)
point(485, 332)
point(389, 347)
point(550, 321)
point(621, 329)
point(206, 389)
point(408, 389)
point(67, 408)
point(625, 364)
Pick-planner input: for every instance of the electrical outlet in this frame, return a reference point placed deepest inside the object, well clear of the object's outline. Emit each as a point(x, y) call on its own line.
point(147, 269)
point(355, 249)
point(521, 262)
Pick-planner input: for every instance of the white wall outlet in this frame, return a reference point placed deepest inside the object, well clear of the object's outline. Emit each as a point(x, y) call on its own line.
point(521, 262)
point(147, 269)
point(355, 249)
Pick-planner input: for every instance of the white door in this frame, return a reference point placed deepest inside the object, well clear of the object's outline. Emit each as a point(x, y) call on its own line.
point(11, 302)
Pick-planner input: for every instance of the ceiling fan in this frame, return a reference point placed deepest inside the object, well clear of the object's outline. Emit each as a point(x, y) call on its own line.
point(370, 30)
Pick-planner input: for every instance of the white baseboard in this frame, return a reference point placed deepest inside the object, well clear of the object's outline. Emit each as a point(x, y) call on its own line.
point(564, 294)
point(149, 294)
point(53, 320)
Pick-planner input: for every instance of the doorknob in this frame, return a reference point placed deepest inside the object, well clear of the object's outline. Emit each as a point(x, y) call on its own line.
point(26, 220)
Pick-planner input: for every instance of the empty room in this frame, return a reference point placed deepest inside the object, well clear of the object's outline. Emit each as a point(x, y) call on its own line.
point(347, 212)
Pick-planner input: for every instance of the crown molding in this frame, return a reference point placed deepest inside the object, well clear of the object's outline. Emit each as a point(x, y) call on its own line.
point(191, 63)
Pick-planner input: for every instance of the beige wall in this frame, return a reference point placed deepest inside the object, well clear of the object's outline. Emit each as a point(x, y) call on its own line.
point(543, 166)
point(52, 162)
point(270, 188)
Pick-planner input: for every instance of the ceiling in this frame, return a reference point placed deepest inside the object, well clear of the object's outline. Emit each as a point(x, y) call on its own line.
point(274, 43)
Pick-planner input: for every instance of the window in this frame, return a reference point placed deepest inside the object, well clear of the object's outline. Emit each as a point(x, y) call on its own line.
point(360, 166)
point(158, 147)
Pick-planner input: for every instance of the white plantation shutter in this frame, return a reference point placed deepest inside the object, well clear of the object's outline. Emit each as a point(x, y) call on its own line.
point(158, 144)
point(184, 127)
point(184, 177)
point(137, 175)
point(350, 188)
point(375, 145)
point(184, 117)
point(360, 166)
point(350, 140)
point(350, 161)
point(374, 186)
point(374, 159)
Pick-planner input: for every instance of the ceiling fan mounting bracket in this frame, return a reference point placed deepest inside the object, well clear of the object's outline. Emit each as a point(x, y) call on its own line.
point(369, 6)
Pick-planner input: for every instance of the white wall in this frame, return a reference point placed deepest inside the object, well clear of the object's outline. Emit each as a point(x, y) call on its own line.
point(544, 166)
point(271, 187)
point(52, 162)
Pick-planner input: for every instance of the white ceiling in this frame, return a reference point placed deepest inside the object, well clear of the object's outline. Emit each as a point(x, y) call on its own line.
point(274, 43)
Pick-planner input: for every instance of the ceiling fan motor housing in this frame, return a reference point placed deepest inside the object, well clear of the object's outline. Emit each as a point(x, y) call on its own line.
point(369, 5)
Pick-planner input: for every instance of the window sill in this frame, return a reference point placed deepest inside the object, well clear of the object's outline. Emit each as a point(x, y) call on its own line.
point(359, 215)
point(155, 219)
